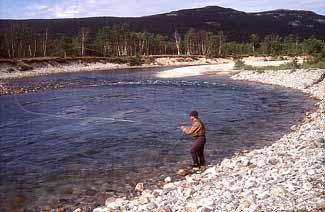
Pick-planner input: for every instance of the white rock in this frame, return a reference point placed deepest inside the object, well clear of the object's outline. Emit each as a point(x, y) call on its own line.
point(307, 186)
point(147, 193)
point(320, 204)
point(209, 201)
point(211, 171)
point(169, 186)
point(244, 204)
point(101, 209)
point(278, 191)
point(249, 184)
point(139, 187)
point(152, 206)
point(168, 179)
point(114, 202)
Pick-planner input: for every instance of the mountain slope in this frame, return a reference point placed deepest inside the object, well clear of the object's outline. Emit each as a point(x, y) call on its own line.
point(236, 25)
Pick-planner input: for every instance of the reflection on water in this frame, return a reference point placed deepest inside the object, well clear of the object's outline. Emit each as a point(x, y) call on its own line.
point(75, 147)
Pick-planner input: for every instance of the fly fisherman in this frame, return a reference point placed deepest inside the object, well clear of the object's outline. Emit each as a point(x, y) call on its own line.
point(197, 130)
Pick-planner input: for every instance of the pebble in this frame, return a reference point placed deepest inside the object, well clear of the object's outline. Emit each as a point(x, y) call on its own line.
point(182, 172)
point(308, 186)
point(285, 176)
point(168, 179)
point(139, 187)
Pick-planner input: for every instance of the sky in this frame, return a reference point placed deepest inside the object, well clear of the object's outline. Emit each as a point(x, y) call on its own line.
point(31, 9)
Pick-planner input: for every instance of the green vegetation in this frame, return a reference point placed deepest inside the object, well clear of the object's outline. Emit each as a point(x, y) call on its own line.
point(19, 41)
point(313, 63)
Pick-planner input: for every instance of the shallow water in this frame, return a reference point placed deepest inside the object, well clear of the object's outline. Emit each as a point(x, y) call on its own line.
point(74, 147)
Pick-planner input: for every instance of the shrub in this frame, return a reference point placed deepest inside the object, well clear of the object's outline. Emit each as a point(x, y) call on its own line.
point(136, 61)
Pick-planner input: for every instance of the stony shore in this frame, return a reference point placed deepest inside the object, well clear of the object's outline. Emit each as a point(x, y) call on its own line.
point(32, 68)
point(287, 176)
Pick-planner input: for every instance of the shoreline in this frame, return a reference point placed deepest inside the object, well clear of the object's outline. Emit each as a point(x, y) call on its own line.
point(45, 67)
point(286, 176)
point(25, 68)
point(239, 183)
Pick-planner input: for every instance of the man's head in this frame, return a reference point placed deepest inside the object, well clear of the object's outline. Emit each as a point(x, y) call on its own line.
point(194, 115)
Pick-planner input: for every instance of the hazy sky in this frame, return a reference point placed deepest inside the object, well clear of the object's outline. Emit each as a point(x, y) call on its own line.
point(25, 9)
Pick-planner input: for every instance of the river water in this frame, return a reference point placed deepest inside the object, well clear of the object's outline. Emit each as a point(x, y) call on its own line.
point(75, 147)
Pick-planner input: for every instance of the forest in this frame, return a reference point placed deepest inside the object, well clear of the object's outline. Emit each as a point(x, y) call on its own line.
point(19, 41)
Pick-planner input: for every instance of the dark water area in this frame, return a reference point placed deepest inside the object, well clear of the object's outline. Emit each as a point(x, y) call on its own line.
point(75, 147)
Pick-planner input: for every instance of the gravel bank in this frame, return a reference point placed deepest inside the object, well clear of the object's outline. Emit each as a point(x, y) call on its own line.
point(21, 69)
point(286, 176)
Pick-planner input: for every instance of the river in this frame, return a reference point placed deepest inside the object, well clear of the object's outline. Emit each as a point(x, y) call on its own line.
point(74, 147)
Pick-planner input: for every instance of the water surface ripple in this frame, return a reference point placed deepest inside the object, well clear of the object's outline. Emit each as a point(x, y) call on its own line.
point(74, 147)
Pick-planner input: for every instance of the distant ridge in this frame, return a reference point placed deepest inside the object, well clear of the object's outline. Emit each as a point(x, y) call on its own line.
point(236, 25)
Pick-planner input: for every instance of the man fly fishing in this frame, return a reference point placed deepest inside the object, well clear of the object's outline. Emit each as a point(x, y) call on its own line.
point(197, 130)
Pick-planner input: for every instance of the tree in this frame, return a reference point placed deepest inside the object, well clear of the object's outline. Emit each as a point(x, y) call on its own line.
point(83, 39)
point(312, 46)
point(254, 39)
point(45, 38)
point(178, 39)
point(222, 39)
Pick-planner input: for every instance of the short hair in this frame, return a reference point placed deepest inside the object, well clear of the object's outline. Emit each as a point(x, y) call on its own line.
point(194, 114)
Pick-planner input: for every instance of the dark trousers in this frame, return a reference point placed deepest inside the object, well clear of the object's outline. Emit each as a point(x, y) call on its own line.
point(197, 151)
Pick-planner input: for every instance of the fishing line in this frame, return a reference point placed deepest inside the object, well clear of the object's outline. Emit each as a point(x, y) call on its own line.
point(67, 117)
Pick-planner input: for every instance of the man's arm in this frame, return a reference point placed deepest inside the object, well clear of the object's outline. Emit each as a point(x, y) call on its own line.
point(191, 129)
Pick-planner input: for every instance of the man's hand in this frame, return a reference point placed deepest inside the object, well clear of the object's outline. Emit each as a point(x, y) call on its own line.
point(181, 128)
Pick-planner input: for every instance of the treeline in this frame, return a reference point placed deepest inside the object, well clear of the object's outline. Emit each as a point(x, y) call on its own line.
point(19, 41)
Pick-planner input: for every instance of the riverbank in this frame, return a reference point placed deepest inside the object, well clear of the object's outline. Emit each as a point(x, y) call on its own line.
point(286, 176)
point(30, 67)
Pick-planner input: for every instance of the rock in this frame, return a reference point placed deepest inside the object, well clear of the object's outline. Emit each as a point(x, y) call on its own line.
point(152, 206)
point(139, 187)
point(147, 194)
point(245, 162)
point(204, 209)
point(144, 200)
point(164, 209)
point(252, 208)
point(110, 201)
point(228, 197)
point(189, 179)
point(182, 172)
point(209, 201)
point(114, 202)
point(320, 204)
point(101, 209)
point(168, 180)
point(188, 192)
point(211, 171)
point(227, 164)
point(273, 161)
point(169, 186)
point(243, 205)
point(307, 186)
point(311, 172)
point(250, 184)
point(260, 163)
point(157, 193)
point(278, 191)
point(262, 194)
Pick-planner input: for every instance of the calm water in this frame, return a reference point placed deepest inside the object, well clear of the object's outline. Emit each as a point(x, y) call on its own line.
point(76, 146)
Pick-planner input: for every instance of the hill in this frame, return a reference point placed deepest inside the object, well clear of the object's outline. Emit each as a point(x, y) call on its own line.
point(236, 25)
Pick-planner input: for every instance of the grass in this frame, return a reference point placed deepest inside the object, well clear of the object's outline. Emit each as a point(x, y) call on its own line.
point(315, 63)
